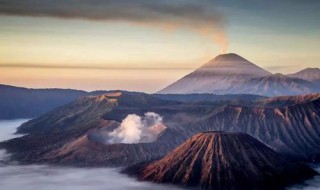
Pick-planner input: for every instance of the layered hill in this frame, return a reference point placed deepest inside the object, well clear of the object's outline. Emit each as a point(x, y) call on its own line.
point(232, 74)
point(309, 74)
point(274, 85)
point(17, 102)
point(224, 160)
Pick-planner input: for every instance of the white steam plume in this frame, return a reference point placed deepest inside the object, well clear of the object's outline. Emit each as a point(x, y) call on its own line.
point(136, 129)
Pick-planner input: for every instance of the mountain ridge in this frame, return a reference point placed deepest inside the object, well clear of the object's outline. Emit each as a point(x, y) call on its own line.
point(309, 74)
point(275, 85)
point(286, 124)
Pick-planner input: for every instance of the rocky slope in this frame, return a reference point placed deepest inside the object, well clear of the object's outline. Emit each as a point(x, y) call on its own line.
point(292, 129)
point(81, 113)
point(222, 160)
point(281, 101)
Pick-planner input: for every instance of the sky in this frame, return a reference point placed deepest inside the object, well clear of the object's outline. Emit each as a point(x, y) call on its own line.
point(144, 45)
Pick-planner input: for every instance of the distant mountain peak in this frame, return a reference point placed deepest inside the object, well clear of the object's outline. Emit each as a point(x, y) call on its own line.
point(233, 64)
point(311, 69)
point(229, 56)
point(230, 60)
point(220, 73)
point(310, 74)
point(233, 56)
point(277, 76)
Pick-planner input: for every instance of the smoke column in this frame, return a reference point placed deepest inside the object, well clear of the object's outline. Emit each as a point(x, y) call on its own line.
point(201, 17)
point(136, 129)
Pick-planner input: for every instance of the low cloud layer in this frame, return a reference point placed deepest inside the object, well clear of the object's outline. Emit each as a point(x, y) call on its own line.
point(91, 67)
point(199, 16)
point(136, 129)
point(31, 177)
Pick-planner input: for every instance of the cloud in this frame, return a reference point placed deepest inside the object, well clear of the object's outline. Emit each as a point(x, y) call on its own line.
point(199, 16)
point(90, 67)
point(136, 129)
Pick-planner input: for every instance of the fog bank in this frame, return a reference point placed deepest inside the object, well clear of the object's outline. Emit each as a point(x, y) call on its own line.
point(43, 177)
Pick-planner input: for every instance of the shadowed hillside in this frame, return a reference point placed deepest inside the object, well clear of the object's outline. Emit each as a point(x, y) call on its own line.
point(17, 102)
point(222, 160)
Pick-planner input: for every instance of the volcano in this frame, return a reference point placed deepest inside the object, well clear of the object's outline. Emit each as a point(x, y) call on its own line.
point(225, 160)
point(217, 76)
point(233, 74)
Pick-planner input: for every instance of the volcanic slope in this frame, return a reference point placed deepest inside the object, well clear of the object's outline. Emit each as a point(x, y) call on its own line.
point(217, 76)
point(233, 74)
point(224, 160)
point(289, 125)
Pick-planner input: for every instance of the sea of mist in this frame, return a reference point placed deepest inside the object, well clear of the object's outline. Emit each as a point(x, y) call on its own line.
point(35, 177)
